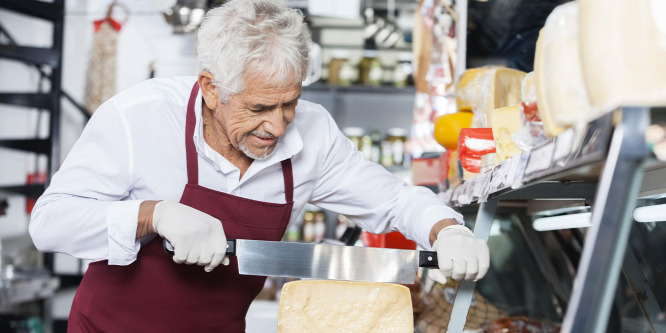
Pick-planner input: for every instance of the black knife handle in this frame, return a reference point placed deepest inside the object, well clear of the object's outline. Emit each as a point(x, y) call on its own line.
point(428, 259)
point(231, 247)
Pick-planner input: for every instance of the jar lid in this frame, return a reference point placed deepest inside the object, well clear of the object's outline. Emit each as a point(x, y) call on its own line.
point(353, 131)
point(396, 131)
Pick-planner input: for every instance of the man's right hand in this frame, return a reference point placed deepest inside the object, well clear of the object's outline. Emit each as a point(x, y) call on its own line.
point(197, 237)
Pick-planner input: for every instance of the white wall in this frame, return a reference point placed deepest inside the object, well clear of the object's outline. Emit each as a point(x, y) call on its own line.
point(144, 38)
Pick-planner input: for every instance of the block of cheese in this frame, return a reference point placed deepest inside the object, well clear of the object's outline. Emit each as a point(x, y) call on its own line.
point(341, 306)
point(506, 122)
point(485, 89)
point(528, 98)
point(468, 88)
point(500, 87)
point(448, 126)
point(623, 52)
point(567, 99)
point(474, 143)
point(550, 128)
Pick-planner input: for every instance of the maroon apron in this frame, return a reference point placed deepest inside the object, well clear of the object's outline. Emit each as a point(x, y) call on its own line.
point(154, 294)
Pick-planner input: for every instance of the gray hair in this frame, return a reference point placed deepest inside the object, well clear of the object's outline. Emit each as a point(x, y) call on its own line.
point(265, 34)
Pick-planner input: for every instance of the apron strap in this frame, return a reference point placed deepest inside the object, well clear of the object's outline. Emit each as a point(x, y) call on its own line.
point(190, 149)
point(288, 180)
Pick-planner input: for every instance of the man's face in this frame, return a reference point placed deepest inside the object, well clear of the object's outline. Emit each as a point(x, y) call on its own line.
point(254, 119)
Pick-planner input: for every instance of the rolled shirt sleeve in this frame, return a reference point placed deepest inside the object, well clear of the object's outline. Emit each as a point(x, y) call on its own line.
point(372, 197)
point(82, 213)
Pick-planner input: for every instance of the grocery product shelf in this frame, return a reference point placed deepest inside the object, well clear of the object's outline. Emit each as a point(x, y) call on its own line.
point(606, 164)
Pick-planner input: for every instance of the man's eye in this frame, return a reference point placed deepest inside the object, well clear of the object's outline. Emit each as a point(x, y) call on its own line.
point(256, 110)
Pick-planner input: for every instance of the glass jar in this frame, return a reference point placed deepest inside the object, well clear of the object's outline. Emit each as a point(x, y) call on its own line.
point(370, 69)
point(397, 138)
point(355, 134)
point(340, 71)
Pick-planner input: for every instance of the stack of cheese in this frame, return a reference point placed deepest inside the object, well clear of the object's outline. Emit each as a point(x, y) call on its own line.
point(340, 306)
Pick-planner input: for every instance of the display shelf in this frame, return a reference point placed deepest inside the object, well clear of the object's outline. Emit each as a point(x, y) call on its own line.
point(23, 287)
point(608, 165)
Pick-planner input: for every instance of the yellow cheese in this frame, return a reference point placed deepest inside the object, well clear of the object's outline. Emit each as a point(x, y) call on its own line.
point(341, 306)
point(550, 128)
point(623, 52)
point(500, 87)
point(468, 88)
point(485, 89)
point(506, 122)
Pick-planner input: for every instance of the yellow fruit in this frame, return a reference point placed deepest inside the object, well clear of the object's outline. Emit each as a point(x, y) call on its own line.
point(448, 126)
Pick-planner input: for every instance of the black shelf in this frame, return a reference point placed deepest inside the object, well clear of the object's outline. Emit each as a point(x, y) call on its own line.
point(29, 54)
point(33, 191)
point(383, 89)
point(32, 100)
point(43, 10)
point(40, 146)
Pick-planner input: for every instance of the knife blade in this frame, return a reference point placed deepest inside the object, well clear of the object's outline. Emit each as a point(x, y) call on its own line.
point(326, 261)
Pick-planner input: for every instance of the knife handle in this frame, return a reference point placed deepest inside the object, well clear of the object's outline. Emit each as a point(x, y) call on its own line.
point(231, 247)
point(428, 259)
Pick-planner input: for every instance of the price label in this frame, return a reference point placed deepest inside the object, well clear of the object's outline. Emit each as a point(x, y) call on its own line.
point(540, 158)
point(563, 145)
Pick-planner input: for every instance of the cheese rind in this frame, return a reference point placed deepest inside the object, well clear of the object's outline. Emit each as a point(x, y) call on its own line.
point(342, 306)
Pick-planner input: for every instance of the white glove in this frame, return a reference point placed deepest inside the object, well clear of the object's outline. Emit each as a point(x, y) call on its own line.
point(460, 254)
point(197, 237)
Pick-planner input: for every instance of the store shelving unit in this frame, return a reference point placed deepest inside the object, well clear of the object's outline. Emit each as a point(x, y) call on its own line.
point(605, 168)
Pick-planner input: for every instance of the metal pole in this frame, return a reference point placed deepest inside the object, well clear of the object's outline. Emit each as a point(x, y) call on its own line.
point(606, 241)
point(465, 291)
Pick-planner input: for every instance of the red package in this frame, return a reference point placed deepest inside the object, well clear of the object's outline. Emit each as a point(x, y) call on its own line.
point(472, 144)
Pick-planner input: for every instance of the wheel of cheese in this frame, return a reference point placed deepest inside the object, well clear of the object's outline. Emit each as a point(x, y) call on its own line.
point(341, 306)
point(448, 126)
point(623, 52)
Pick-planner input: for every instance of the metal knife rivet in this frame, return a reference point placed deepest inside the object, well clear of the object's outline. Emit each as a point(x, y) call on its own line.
point(429, 258)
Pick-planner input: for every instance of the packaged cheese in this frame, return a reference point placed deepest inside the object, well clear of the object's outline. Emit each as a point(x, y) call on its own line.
point(545, 113)
point(448, 126)
point(568, 102)
point(506, 122)
point(468, 88)
point(487, 88)
point(341, 306)
point(531, 132)
point(474, 143)
point(623, 52)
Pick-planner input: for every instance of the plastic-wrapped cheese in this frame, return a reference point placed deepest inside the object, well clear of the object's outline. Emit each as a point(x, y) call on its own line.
point(485, 89)
point(567, 99)
point(474, 143)
point(506, 122)
point(500, 87)
point(468, 88)
point(545, 113)
point(623, 52)
point(341, 306)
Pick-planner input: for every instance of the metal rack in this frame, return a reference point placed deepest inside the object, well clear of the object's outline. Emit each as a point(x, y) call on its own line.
point(606, 167)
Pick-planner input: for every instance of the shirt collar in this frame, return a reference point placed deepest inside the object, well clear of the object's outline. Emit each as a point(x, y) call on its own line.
point(288, 145)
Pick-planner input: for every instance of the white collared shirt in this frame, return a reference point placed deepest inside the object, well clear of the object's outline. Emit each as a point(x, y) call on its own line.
point(133, 149)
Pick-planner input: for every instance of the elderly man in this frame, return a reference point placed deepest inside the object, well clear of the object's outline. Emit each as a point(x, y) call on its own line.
point(231, 153)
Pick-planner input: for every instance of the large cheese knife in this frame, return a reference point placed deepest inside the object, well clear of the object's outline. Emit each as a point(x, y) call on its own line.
point(326, 261)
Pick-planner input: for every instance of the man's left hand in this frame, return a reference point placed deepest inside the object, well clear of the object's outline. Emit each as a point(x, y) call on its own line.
point(460, 254)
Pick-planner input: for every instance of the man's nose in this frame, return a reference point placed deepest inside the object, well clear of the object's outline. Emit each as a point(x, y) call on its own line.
point(277, 121)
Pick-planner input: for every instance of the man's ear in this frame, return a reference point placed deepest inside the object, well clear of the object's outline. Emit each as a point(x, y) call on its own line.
point(209, 92)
